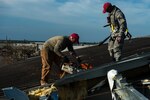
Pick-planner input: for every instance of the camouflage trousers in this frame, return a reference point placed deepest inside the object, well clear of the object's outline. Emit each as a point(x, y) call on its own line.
point(115, 49)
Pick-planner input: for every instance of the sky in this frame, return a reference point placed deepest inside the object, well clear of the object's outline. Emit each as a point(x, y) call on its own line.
point(41, 19)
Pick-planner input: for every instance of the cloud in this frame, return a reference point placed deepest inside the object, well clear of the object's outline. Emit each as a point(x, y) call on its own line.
point(74, 14)
point(84, 11)
point(136, 12)
point(52, 11)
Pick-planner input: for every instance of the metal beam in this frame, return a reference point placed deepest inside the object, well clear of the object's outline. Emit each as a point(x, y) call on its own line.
point(101, 71)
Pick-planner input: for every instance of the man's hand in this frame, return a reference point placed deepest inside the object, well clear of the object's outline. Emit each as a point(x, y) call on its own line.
point(108, 19)
point(78, 59)
point(129, 36)
point(118, 38)
point(65, 59)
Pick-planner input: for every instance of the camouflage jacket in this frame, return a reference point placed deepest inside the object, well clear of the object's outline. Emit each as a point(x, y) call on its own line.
point(118, 22)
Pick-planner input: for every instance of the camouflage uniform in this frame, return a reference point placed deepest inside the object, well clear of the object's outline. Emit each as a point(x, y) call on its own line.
point(118, 28)
point(51, 53)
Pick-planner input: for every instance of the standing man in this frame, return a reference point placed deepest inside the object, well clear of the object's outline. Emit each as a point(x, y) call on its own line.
point(117, 22)
point(51, 53)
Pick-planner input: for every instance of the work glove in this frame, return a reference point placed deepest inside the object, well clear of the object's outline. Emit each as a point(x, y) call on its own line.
point(129, 35)
point(78, 59)
point(118, 38)
point(65, 59)
point(108, 19)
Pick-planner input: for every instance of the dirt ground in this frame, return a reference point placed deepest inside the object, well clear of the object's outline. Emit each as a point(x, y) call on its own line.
point(26, 74)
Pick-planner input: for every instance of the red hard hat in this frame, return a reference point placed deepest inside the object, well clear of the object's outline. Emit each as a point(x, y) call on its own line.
point(76, 36)
point(105, 6)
